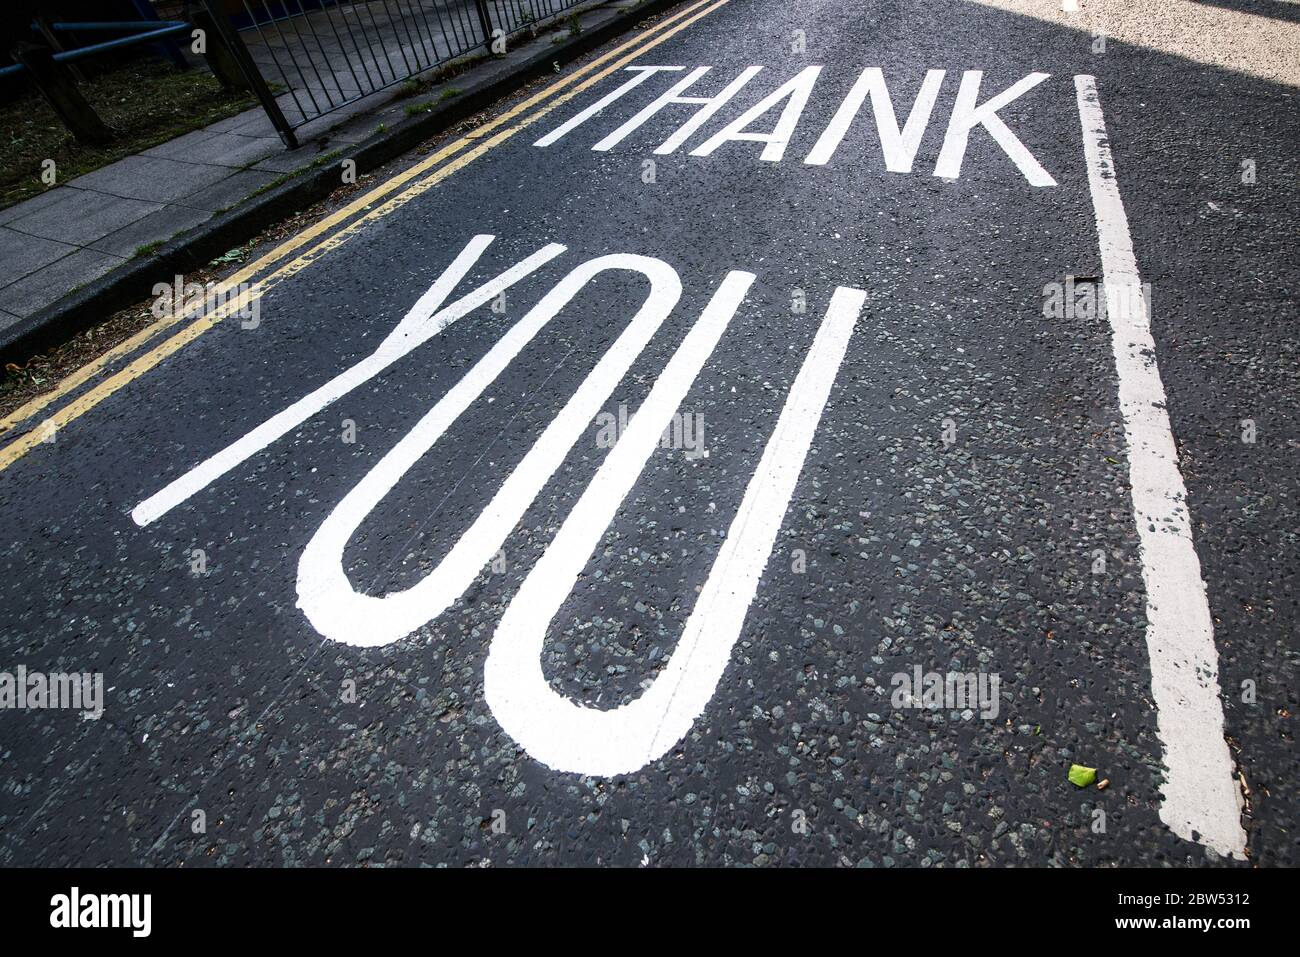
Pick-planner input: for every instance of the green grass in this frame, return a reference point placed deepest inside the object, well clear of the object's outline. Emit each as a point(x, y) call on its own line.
point(266, 187)
point(447, 94)
point(326, 158)
point(411, 87)
point(145, 103)
point(417, 85)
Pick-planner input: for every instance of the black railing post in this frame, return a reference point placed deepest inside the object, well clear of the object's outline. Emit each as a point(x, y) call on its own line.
point(226, 33)
point(56, 85)
point(46, 30)
point(484, 21)
point(221, 59)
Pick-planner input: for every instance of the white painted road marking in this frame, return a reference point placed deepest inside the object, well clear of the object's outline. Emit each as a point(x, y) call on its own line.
point(898, 146)
point(708, 105)
point(557, 732)
point(326, 596)
point(645, 72)
point(1201, 800)
point(425, 319)
point(966, 116)
point(569, 737)
point(796, 91)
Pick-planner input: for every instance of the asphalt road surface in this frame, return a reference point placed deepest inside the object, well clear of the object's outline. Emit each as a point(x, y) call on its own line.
point(807, 470)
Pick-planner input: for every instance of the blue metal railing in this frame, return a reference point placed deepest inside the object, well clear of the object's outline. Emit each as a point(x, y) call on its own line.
point(164, 28)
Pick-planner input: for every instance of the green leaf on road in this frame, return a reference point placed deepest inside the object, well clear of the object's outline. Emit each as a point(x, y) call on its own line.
point(1081, 777)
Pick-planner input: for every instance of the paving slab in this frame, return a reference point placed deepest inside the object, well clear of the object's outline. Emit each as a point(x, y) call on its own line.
point(152, 178)
point(79, 217)
point(41, 288)
point(218, 149)
point(227, 192)
point(156, 227)
point(28, 206)
point(286, 161)
point(21, 255)
point(234, 122)
point(252, 123)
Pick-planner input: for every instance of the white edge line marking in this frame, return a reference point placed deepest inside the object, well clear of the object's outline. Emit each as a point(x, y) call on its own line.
point(1201, 799)
point(572, 738)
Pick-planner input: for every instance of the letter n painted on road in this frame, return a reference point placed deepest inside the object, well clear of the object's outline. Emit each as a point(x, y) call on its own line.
point(899, 146)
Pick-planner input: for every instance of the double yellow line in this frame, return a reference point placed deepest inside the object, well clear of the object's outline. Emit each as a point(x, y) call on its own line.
point(254, 279)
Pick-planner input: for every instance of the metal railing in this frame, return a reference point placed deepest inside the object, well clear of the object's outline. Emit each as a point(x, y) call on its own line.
point(53, 69)
point(136, 32)
point(325, 54)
